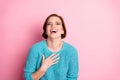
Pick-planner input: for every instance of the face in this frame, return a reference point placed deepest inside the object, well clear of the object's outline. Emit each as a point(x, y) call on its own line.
point(54, 27)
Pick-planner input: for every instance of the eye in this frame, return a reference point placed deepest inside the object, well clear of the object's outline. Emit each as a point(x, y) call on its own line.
point(58, 23)
point(48, 23)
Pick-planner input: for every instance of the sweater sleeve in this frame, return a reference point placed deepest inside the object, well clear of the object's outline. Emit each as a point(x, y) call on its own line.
point(30, 66)
point(72, 73)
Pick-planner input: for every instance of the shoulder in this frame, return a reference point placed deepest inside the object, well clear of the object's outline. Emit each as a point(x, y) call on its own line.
point(38, 45)
point(36, 48)
point(70, 47)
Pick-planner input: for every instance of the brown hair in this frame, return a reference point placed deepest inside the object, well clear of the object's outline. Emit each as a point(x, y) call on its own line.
point(45, 25)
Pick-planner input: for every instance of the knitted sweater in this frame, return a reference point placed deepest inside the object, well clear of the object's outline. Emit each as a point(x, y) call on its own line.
point(65, 69)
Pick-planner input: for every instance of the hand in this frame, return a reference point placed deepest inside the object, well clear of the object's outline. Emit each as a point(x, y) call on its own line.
point(51, 60)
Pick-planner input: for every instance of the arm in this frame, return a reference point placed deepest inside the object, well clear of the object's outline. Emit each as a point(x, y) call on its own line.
point(38, 74)
point(72, 73)
point(30, 72)
point(31, 63)
point(46, 63)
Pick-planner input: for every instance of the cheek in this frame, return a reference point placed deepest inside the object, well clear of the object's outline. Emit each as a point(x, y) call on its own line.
point(47, 28)
point(61, 31)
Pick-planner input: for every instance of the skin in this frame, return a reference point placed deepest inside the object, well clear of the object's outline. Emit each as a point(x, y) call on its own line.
point(54, 43)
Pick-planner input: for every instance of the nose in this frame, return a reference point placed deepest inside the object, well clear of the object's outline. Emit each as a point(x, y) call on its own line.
point(53, 25)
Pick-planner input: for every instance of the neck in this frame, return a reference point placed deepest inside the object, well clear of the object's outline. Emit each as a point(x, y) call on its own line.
point(54, 44)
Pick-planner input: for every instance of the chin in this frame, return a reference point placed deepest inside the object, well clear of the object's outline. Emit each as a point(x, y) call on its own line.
point(55, 37)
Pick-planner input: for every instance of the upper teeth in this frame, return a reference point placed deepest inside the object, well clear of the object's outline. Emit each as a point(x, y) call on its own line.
point(53, 30)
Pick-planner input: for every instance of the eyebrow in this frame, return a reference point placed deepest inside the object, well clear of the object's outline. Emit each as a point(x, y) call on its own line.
point(55, 21)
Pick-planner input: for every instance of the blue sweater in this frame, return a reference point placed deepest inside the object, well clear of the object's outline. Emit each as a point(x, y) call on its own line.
point(65, 69)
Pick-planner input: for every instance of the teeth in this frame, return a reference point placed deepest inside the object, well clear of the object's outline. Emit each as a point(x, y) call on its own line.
point(54, 31)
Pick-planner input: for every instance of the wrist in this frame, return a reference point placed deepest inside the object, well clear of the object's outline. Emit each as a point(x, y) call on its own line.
point(42, 69)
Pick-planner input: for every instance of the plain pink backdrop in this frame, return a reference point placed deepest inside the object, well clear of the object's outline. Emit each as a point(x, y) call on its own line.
point(93, 27)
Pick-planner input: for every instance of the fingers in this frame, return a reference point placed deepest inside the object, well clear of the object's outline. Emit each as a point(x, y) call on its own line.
point(52, 59)
point(53, 56)
point(54, 62)
point(56, 59)
point(43, 58)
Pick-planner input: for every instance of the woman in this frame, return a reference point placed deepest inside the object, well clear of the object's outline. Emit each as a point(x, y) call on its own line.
point(52, 58)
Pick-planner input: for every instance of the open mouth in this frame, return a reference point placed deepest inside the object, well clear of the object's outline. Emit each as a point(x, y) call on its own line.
point(53, 31)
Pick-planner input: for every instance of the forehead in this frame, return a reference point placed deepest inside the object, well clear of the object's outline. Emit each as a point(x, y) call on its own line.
point(54, 19)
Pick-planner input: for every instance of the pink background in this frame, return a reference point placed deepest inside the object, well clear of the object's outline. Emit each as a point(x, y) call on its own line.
point(93, 27)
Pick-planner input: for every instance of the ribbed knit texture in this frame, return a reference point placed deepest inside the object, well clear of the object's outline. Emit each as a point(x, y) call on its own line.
point(65, 69)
